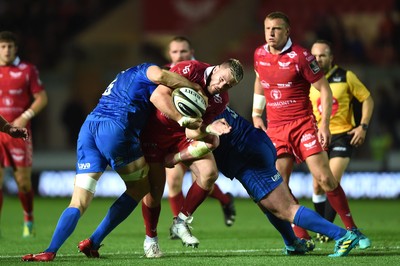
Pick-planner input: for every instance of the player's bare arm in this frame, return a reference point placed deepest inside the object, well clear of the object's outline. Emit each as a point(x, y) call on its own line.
point(217, 128)
point(169, 79)
point(15, 132)
point(258, 105)
point(360, 132)
point(38, 104)
point(324, 134)
point(161, 98)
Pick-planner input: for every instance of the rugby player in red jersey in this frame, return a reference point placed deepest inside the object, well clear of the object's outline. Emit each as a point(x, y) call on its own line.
point(284, 74)
point(163, 137)
point(22, 97)
point(180, 49)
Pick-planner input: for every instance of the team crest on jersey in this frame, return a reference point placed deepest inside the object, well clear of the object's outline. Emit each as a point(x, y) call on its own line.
point(314, 66)
point(292, 54)
point(217, 98)
point(276, 94)
point(15, 75)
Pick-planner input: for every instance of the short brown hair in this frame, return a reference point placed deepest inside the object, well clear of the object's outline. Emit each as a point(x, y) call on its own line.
point(8, 36)
point(236, 68)
point(279, 15)
point(326, 42)
point(182, 39)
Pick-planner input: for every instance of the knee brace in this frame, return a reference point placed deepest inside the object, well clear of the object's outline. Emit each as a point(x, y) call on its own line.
point(86, 182)
point(138, 174)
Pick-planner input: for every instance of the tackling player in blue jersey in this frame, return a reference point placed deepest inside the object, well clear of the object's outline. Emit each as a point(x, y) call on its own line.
point(248, 155)
point(110, 136)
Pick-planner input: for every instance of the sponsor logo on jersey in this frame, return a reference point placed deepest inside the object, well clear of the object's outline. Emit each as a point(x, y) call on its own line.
point(283, 65)
point(265, 63)
point(284, 85)
point(15, 75)
point(276, 177)
point(335, 106)
point(314, 66)
point(337, 79)
point(310, 58)
point(15, 92)
point(17, 154)
point(307, 137)
point(83, 166)
point(310, 144)
point(281, 103)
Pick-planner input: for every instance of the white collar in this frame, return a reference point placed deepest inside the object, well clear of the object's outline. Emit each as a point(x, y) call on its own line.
point(286, 47)
point(207, 73)
point(16, 61)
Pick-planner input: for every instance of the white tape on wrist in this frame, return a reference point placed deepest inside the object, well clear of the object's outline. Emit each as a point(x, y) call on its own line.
point(258, 101)
point(199, 150)
point(255, 114)
point(28, 114)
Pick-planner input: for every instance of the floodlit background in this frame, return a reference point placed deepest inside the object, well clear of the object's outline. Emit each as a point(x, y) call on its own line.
point(80, 45)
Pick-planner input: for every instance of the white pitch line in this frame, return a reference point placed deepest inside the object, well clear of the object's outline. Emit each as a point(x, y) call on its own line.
point(201, 251)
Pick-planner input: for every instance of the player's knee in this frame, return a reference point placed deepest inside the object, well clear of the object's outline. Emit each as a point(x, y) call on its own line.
point(86, 182)
point(136, 175)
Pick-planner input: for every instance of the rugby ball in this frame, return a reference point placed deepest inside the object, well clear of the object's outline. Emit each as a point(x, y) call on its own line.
point(189, 102)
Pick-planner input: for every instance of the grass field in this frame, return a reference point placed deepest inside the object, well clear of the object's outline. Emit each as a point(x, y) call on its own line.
point(251, 241)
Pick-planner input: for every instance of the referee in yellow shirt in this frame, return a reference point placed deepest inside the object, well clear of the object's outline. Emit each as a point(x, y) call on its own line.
point(345, 133)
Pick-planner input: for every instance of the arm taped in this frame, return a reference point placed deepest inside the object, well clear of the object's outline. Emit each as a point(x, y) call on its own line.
point(138, 174)
point(258, 101)
point(199, 150)
point(86, 182)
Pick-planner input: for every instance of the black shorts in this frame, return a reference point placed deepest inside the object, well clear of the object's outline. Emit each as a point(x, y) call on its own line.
point(340, 146)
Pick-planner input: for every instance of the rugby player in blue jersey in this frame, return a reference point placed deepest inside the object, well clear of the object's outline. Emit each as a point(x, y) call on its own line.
point(247, 154)
point(110, 137)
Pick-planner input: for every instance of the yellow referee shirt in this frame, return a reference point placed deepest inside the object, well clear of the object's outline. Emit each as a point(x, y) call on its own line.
point(345, 86)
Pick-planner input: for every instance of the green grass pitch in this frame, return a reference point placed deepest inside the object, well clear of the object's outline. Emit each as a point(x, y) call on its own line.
point(250, 241)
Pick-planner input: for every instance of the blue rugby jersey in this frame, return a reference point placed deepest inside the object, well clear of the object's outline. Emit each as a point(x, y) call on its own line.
point(245, 147)
point(127, 98)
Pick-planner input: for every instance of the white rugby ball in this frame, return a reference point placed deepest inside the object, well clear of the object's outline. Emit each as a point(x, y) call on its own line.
point(189, 102)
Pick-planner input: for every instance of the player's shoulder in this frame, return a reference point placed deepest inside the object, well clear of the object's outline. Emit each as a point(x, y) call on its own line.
point(25, 65)
point(302, 52)
point(261, 50)
point(192, 64)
